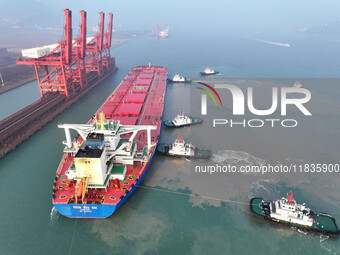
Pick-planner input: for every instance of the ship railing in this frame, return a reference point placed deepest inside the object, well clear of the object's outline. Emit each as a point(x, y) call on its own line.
point(71, 150)
point(62, 162)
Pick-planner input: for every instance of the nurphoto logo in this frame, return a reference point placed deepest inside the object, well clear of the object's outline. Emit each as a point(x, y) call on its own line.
point(288, 96)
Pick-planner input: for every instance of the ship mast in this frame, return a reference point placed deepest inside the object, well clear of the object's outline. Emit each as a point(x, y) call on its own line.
point(290, 197)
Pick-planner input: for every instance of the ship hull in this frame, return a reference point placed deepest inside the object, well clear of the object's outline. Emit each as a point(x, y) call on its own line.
point(205, 74)
point(199, 154)
point(97, 211)
point(270, 219)
point(185, 156)
point(102, 202)
point(172, 81)
point(170, 124)
point(86, 211)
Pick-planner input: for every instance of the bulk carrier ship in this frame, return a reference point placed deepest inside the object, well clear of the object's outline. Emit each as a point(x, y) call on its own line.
point(112, 153)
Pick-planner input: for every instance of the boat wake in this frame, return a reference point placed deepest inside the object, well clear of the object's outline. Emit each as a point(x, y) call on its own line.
point(323, 238)
point(325, 245)
point(257, 188)
point(237, 158)
point(302, 232)
point(272, 43)
point(54, 215)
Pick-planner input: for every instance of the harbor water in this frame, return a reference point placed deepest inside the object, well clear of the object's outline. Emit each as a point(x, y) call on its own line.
point(159, 222)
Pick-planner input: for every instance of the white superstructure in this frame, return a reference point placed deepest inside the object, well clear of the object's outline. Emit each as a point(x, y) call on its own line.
point(163, 32)
point(178, 78)
point(181, 120)
point(181, 148)
point(101, 148)
point(208, 70)
point(289, 211)
point(297, 84)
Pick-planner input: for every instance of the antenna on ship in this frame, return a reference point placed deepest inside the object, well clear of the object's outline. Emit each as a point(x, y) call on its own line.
point(2, 81)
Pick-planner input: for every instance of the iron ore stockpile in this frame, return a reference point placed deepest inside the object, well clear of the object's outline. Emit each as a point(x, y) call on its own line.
point(70, 68)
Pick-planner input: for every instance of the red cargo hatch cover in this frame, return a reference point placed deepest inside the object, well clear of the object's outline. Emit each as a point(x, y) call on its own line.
point(146, 76)
point(134, 98)
point(128, 109)
point(145, 82)
point(127, 120)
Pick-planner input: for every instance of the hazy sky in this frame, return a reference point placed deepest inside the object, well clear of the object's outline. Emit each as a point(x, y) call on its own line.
point(244, 16)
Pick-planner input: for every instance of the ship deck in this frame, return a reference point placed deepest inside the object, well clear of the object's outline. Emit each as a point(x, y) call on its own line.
point(138, 100)
point(256, 206)
point(325, 222)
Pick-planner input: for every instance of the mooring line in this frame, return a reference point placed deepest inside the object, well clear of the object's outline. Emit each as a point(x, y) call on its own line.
point(192, 195)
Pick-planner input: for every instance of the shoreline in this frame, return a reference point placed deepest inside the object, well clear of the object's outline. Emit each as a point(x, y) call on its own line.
point(16, 85)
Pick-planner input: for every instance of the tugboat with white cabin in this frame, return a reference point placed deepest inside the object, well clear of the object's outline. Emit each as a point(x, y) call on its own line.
point(297, 84)
point(178, 79)
point(287, 212)
point(182, 120)
point(209, 71)
point(180, 148)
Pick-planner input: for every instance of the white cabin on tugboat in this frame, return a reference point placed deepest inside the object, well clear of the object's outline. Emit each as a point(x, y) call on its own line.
point(181, 120)
point(178, 78)
point(209, 71)
point(297, 84)
point(181, 148)
point(288, 210)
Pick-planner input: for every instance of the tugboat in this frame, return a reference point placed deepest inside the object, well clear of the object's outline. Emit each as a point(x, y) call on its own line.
point(209, 71)
point(297, 84)
point(182, 149)
point(181, 120)
point(287, 212)
point(178, 79)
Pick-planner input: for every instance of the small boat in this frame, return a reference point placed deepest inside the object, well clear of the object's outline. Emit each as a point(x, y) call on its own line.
point(209, 71)
point(297, 84)
point(182, 149)
point(287, 212)
point(178, 79)
point(181, 120)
